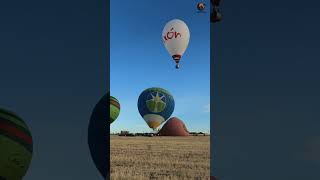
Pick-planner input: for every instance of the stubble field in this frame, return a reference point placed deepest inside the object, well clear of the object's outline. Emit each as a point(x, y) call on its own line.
point(175, 158)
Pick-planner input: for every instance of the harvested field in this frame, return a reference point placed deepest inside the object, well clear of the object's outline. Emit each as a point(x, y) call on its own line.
point(140, 158)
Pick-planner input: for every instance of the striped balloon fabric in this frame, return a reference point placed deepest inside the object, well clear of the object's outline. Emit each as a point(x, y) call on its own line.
point(16, 146)
point(114, 109)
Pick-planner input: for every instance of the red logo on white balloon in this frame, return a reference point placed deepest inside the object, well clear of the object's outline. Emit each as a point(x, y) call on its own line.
point(171, 34)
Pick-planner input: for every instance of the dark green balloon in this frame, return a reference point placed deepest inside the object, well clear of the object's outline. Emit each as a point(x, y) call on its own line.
point(16, 146)
point(98, 136)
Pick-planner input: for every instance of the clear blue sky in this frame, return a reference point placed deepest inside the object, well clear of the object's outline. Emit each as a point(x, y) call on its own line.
point(139, 60)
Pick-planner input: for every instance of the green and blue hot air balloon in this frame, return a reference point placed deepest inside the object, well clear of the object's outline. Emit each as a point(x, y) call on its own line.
point(16, 146)
point(155, 105)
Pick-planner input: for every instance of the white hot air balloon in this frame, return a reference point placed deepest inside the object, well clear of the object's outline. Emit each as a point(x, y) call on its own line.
point(175, 36)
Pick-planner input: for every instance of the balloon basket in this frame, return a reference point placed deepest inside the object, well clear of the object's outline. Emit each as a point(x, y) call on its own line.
point(155, 131)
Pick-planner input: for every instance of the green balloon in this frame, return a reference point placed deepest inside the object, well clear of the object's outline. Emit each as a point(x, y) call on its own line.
point(114, 109)
point(16, 146)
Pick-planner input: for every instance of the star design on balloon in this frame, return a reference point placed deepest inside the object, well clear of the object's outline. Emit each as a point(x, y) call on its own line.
point(158, 102)
point(157, 99)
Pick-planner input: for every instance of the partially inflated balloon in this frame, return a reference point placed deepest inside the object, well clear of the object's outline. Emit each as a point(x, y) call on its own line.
point(114, 109)
point(155, 106)
point(175, 36)
point(16, 146)
point(98, 135)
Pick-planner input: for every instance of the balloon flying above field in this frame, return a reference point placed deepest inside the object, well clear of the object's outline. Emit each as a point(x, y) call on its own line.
point(155, 105)
point(98, 135)
point(114, 109)
point(201, 6)
point(175, 36)
point(16, 146)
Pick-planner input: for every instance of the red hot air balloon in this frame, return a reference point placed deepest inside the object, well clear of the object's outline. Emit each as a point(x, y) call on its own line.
point(174, 127)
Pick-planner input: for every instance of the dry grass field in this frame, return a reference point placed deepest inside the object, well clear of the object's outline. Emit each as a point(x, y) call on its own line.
point(140, 158)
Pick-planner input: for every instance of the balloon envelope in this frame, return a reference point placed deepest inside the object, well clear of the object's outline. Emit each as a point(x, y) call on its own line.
point(155, 105)
point(114, 109)
point(98, 136)
point(174, 127)
point(175, 36)
point(201, 6)
point(16, 146)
